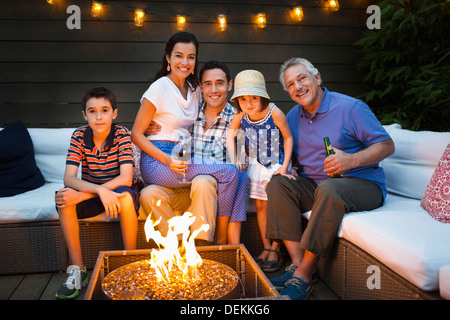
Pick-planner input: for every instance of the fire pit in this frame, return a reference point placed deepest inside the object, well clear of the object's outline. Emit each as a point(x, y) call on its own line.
point(175, 270)
point(253, 283)
point(138, 281)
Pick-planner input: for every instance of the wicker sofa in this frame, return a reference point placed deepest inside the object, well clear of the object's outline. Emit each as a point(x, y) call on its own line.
point(400, 239)
point(397, 251)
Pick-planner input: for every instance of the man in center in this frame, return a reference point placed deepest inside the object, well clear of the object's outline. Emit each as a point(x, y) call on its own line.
point(200, 198)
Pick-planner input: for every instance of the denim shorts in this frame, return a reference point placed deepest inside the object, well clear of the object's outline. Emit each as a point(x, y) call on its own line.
point(93, 207)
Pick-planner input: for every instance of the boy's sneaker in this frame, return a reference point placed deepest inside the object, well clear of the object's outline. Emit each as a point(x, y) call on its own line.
point(77, 279)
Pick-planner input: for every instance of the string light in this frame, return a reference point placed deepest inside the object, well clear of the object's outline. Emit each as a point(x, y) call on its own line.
point(334, 5)
point(297, 14)
point(261, 20)
point(139, 17)
point(181, 23)
point(96, 9)
point(222, 22)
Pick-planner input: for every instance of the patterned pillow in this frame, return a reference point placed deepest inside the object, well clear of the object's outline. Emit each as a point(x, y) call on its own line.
point(137, 162)
point(436, 199)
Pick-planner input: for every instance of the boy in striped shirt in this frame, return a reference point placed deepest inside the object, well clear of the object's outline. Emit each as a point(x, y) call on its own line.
point(106, 185)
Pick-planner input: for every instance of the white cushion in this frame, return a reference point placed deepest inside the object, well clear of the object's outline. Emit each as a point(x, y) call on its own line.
point(403, 236)
point(409, 170)
point(444, 282)
point(34, 205)
point(389, 127)
point(50, 148)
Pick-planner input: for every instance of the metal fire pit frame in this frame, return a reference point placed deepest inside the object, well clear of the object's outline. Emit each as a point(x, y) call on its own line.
point(254, 283)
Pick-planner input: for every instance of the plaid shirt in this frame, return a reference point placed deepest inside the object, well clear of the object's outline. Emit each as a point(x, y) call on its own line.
point(211, 143)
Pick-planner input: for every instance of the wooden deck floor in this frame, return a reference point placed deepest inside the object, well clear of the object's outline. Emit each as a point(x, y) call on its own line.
point(42, 286)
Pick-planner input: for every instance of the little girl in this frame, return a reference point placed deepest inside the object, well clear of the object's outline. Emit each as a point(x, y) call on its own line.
point(269, 152)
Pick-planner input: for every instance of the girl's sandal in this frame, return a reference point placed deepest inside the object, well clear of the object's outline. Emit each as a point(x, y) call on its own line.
point(259, 261)
point(273, 265)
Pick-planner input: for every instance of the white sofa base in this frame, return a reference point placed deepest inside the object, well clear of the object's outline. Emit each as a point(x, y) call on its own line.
point(349, 269)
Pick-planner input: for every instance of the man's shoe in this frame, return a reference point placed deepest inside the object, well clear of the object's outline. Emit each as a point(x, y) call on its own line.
point(77, 279)
point(297, 289)
point(279, 282)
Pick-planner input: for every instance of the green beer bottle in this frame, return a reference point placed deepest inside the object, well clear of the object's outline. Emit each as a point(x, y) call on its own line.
point(329, 150)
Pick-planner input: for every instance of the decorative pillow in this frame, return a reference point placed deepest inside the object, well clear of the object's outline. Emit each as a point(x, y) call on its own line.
point(436, 199)
point(18, 170)
point(137, 162)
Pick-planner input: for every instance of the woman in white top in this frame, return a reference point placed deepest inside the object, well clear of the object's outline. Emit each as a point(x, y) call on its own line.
point(172, 101)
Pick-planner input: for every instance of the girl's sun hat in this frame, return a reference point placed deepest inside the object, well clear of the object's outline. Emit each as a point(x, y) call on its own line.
point(249, 83)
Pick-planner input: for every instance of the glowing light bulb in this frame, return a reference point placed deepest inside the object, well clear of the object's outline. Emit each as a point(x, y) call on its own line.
point(96, 9)
point(297, 14)
point(52, 2)
point(334, 5)
point(139, 17)
point(261, 20)
point(181, 23)
point(222, 22)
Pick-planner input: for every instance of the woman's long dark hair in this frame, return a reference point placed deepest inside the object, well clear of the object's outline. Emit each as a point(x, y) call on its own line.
point(184, 37)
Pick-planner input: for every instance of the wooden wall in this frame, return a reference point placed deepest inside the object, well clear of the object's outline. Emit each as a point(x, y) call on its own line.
point(45, 68)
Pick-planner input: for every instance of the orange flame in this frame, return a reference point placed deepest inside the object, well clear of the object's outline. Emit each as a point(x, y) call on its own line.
point(170, 254)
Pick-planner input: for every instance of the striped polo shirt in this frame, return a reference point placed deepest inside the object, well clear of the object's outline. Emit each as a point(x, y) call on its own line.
point(100, 166)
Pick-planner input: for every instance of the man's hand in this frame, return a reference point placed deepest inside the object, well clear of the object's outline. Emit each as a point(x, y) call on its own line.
point(241, 167)
point(338, 163)
point(342, 162)
point(153, 129)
